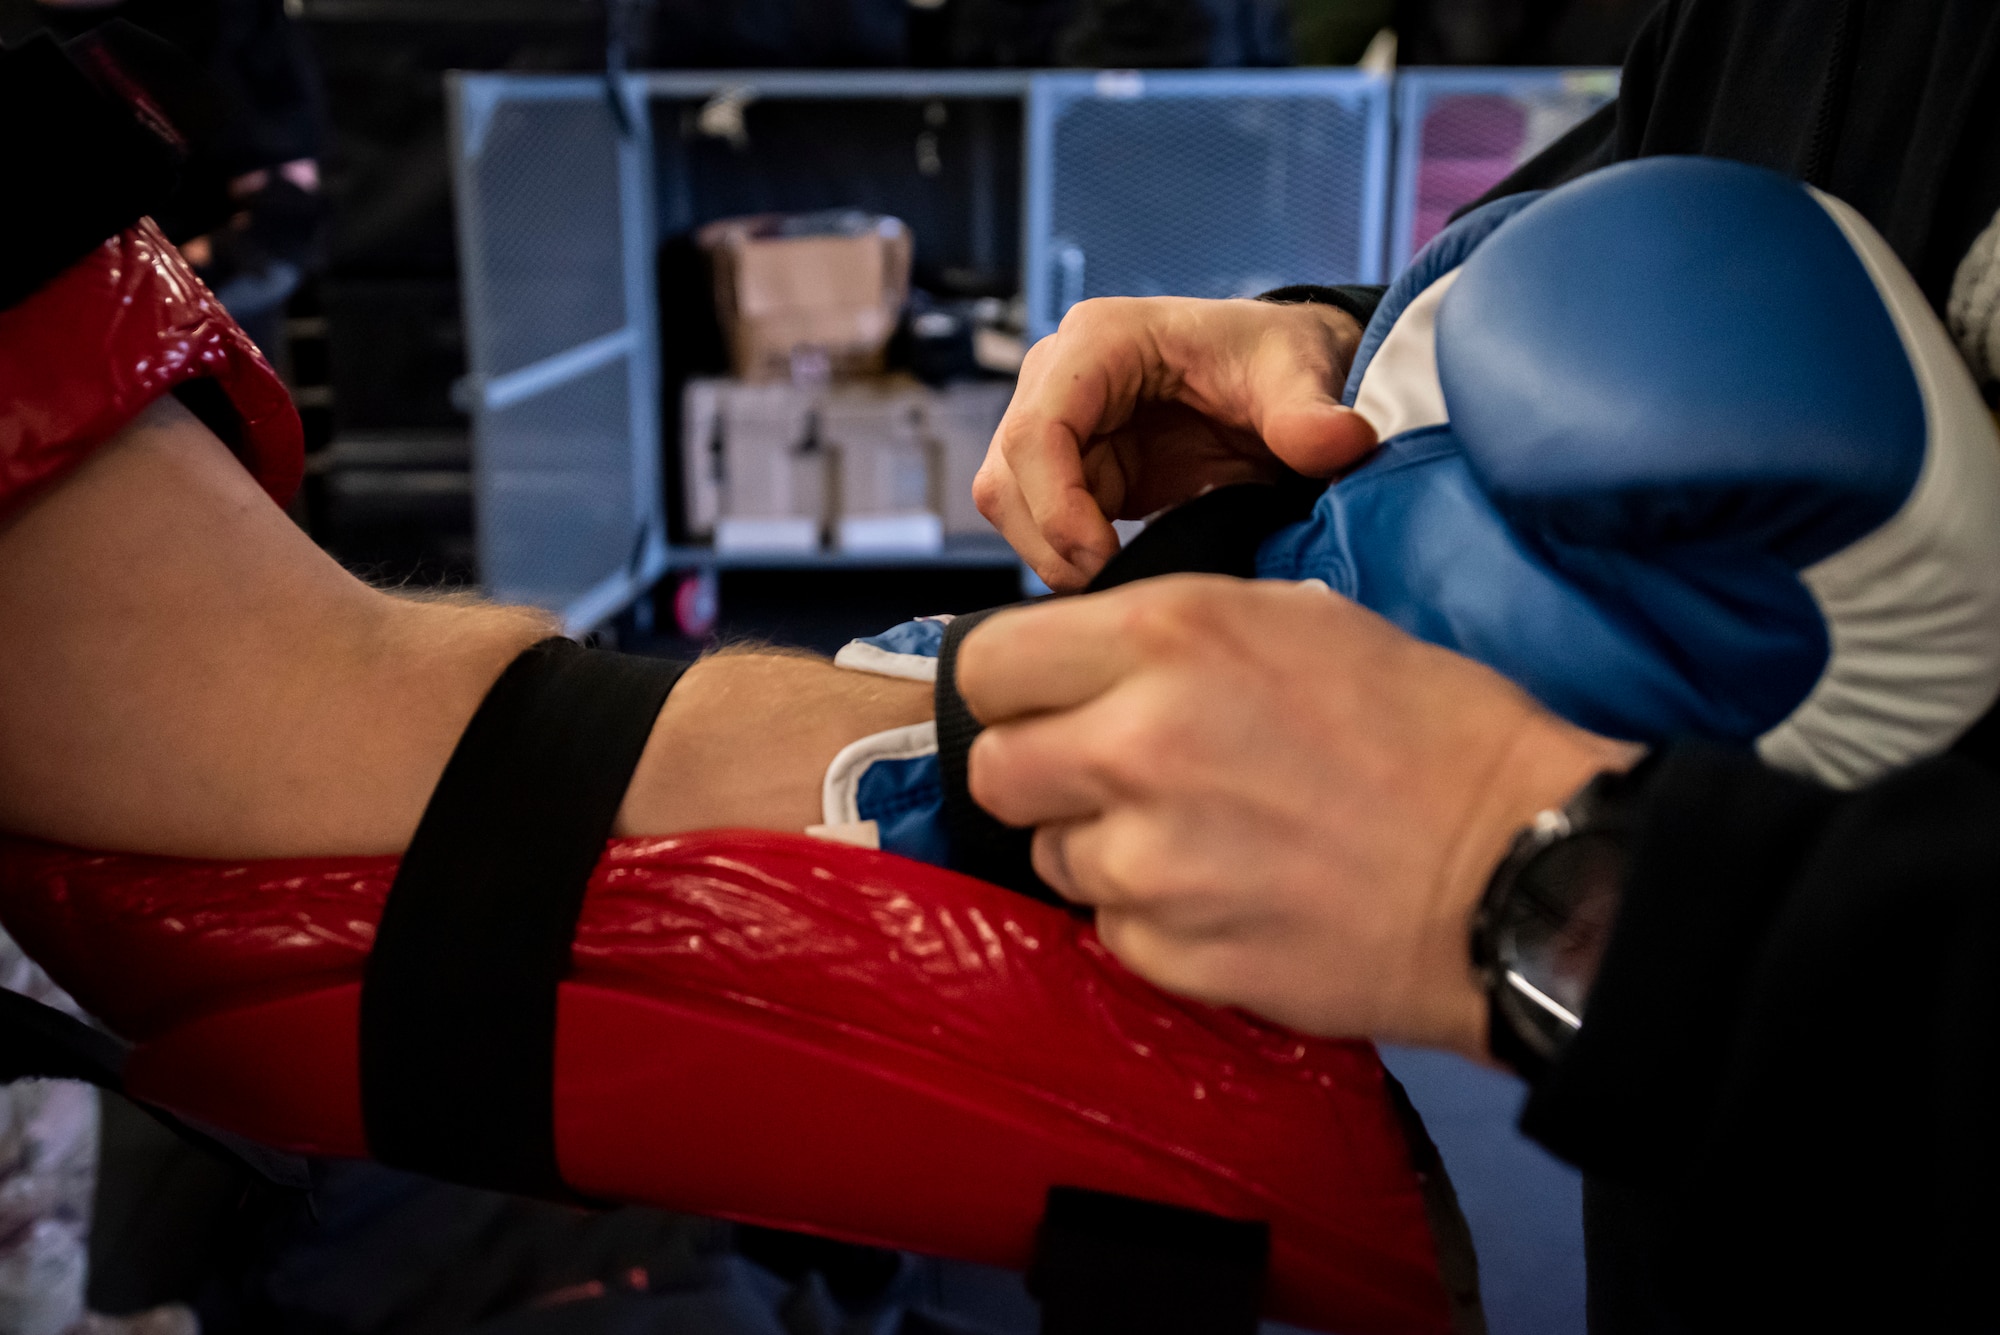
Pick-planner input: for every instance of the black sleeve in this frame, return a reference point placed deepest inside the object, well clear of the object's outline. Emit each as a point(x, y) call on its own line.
point(88, 145)
point(1357, 299)
point(1589, 144)
point(1793, 1046)
point(262, 67)
point(1609, 134)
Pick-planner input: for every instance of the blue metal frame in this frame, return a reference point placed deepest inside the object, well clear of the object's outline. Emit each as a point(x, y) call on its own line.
point(472, 99)
point(1415, 90)
point(1049, 94)
point(875, 84)
point(1386, 208)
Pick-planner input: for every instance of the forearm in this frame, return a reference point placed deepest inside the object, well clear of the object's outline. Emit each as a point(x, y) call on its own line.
point(746, 738)
point(187, 674)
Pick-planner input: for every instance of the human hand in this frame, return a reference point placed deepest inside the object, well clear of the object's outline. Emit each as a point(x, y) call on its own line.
point(1137, 403)
point(1274, 798)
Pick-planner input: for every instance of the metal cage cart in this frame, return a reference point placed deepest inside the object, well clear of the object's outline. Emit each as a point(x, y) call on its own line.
point(1058, 186)
point(941, 151)
point(1201, 184)
point(1460, 131)
point(553, 181)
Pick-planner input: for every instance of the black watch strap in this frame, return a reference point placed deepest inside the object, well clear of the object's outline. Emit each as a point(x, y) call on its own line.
point(1541, 926)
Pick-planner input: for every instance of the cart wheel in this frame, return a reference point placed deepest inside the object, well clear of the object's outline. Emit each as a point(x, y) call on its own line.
point(697, 603)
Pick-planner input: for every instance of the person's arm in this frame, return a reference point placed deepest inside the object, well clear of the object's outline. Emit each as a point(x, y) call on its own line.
point(1257, 787)
point(1277, 800)
point(185, 673)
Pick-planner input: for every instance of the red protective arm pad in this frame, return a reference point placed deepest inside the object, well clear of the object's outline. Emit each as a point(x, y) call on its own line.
point(87, 351)
point(775, 1029)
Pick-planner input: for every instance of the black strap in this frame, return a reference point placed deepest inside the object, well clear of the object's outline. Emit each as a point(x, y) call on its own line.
point(1357, 299)
point(1115, 1265)
point(978, 844)
point(39, 1042)
point(1216, 534)
point(458, 1005)
point(1451, 1236)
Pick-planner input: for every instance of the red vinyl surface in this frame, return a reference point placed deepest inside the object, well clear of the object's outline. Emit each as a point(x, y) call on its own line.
point(776, 1029)
point(120, 327)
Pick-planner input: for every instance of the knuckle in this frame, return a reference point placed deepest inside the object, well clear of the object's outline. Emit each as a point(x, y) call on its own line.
point(1159, 959)
point(1131, 866)
point(1120, 934)
point(1173, 616)
point(1135, 750)
point(1107, 747)
point(1081, 318)
point(1095, 316)
point(1060, 578)
point(989, 490)
point(1038, 354)
point(990, 774)
point(1050, 860)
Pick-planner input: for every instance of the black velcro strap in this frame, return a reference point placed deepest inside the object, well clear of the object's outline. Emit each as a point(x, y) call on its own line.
point(979, 845)
point(39, 1042)
point(458, 1005)
point(1116, 1265)
point(1357, 299)
point(1217, 534)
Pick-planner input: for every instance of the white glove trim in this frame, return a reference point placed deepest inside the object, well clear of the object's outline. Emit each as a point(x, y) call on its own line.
point(1400, 390)
point(861, 656)
point(1913, 609)
point(840, 793)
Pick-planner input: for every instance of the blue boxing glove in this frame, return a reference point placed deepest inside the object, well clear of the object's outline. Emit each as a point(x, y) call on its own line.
point(1680, 448)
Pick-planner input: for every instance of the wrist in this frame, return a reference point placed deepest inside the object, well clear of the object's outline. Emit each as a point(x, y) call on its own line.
point(1548, 763)
point(1342, 324)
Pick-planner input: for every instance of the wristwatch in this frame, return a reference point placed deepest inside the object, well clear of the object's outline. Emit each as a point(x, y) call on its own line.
point(1542, 925)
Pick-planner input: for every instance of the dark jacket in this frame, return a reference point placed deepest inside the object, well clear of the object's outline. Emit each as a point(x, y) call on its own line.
point(1788, 1080)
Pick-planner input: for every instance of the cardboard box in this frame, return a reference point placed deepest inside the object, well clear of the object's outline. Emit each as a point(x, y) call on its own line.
point(804, 298)
point(883, 464)
point(753, 453)
point(885, 470)
point(702, 443)
point(961, 419)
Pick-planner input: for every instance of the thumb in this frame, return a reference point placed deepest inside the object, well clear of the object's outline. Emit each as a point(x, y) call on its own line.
point(1313, 433)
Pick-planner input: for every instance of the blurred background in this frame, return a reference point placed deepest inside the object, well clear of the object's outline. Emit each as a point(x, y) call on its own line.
point(690, 320)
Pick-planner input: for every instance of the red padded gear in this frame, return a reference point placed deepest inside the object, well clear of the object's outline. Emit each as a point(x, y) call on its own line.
point(117, 329)
point(776, 1029)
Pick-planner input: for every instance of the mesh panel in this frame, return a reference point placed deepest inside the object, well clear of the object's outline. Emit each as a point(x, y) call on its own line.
point(1215, 196)
point(1469, 138)
point(548, 270)
point(557, 506)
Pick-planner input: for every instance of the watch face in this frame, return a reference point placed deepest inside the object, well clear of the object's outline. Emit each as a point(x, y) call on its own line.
point(1552, 931)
